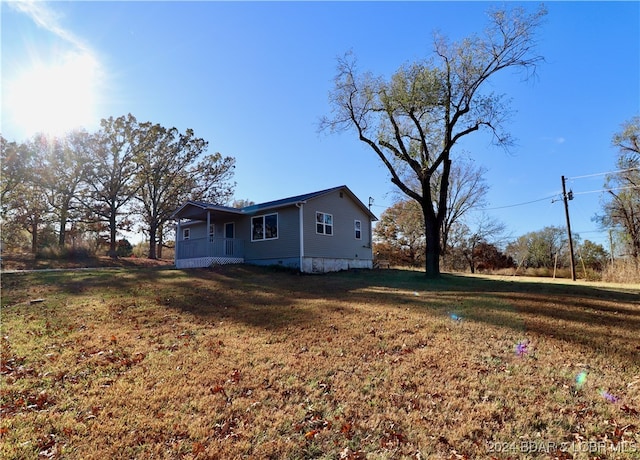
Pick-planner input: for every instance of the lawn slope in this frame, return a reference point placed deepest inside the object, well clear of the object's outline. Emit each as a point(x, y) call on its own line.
point(244, 362)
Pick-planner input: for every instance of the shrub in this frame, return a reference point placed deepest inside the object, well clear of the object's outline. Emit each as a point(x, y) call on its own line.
point(622, 271)
point(124, 248)
point(57, 252)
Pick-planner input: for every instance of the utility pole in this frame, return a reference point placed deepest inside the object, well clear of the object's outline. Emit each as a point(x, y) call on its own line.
point(566, 197)
point(611, 244)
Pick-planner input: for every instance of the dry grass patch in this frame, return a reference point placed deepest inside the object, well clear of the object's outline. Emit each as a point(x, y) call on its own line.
point(255, 363)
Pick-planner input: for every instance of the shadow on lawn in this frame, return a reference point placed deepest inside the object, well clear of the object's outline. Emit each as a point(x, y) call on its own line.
point(593, 317)
point(607, 320)
point(271, 298)
point(578, 314)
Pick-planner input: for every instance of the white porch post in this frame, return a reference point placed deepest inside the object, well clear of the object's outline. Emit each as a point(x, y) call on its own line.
point(301, 212)
point(175, 252)
point(209, 249)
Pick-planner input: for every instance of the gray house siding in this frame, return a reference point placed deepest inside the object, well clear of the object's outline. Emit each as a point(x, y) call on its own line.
point(199, 229)
point(342, 243)
point(196, 230)
point(335, 247)
point(284, 250)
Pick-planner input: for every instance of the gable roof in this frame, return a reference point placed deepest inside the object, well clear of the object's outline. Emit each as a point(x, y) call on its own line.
point(197, 210)
point(193, 209)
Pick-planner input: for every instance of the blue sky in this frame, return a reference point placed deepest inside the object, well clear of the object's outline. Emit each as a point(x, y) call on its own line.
point(253, 80)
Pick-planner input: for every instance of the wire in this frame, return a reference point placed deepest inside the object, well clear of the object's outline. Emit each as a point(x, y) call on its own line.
point(628, 187)
point(520, 204)
point(603, 173)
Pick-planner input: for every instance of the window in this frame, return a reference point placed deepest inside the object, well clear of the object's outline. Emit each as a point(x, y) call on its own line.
point(230, 230)
point(358, 228)
point(324, 223)
point(186, 233)
point(264, 227)
point(212, 232)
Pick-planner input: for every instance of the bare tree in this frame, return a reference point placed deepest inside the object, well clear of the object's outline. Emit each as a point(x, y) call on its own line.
point(622, 209)
point(473, 242)
point(413, 120)
point(467, 190)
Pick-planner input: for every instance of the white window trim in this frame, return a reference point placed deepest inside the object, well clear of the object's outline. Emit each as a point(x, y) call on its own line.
point(186, 233)
point(324, 226)
point(356, 229)
point(263, 216)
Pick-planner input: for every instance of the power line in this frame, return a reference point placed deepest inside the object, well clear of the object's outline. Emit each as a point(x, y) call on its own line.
point(628, 187)
point(603, 173)
point(557, 196)
point(520, 204)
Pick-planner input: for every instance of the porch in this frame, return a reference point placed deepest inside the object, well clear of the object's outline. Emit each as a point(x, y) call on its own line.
point(204, 252)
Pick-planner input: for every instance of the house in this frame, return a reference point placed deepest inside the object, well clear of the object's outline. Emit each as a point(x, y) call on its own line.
point(317, 232)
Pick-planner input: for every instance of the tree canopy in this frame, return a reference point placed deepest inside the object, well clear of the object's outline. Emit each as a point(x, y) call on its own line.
point(124, 172)
point(413, 120)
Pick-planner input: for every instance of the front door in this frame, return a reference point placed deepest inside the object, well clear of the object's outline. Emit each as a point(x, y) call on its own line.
point(229, 235)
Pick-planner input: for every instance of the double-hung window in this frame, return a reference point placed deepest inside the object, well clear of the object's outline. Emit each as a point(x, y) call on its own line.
point(324, 223)
point(358, 229)
point(264, 227)
point(186, 233)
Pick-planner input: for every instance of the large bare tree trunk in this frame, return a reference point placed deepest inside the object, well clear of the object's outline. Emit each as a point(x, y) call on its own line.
point(160, 241)
point(432, 239)
point(153, 230)
point(113, 231)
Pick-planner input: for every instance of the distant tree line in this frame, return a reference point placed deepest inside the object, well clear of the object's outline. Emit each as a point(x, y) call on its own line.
point(399, 238)
point(85, 189)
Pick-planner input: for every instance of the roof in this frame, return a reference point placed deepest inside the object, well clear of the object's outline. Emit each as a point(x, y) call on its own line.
point(197, 209)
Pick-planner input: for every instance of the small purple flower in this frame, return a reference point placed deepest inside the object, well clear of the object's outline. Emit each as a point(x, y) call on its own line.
point(608, 396)
point(522, 348)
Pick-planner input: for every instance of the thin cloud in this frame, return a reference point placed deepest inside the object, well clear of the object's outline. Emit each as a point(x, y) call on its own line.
point(72, 77)
point(555, 140)
point(48, 19)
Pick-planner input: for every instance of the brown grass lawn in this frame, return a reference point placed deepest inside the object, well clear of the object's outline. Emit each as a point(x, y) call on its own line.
point(258, 363)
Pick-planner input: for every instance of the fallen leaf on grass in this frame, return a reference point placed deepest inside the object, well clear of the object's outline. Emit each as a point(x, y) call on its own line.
point(456, 456)
point(47, 446)
point(311, 434)
point(630, 410)
point(346, 430)
point(393, 439)
point(236, 375)
point(197, 448)
point(218, 389)
point(348, 454)
point(226, 430)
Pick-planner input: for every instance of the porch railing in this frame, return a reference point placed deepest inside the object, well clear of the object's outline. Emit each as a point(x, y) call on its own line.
point(210, 247)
